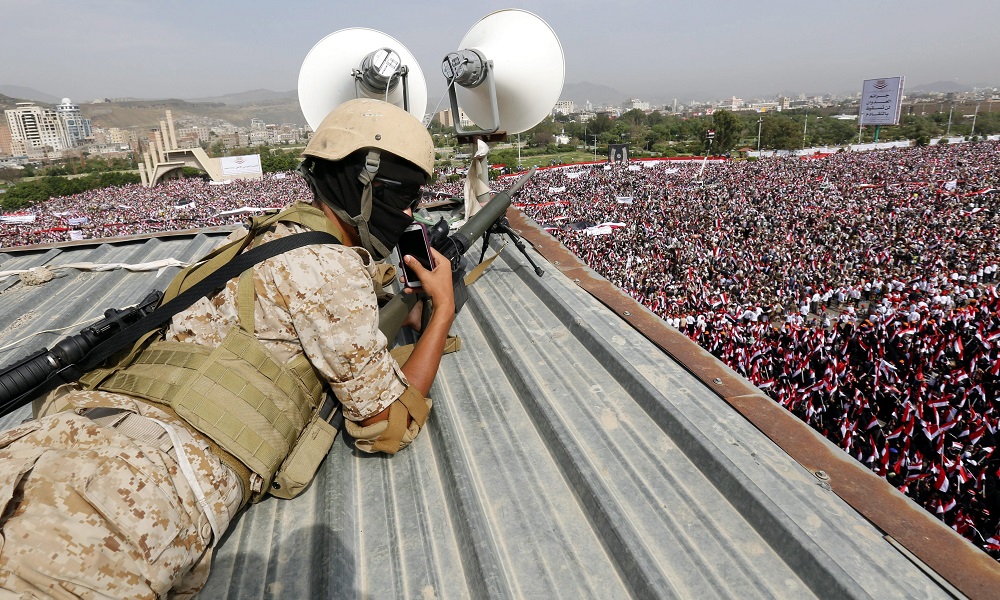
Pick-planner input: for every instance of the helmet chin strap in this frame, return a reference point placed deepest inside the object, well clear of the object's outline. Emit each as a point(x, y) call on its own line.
point(370, 242)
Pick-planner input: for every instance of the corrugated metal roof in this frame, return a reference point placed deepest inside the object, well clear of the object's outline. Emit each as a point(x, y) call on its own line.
point(567, 456)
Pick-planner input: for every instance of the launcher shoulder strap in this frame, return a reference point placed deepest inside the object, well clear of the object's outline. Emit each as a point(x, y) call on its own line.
point(207, 284)
point(306, 215)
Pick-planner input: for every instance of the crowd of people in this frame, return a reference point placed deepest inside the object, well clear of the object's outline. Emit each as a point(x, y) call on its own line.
point(858, 290)
point(133, 209)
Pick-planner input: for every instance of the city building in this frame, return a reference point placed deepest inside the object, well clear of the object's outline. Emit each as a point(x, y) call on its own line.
point(444, 117)
point(77, 127)
point(191, 137)
point(36, 131)
point(634, 103)
point(765, 106)
point(258, 137)
point(564, 107)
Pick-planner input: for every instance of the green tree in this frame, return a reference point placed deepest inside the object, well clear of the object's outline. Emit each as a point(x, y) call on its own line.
point(599, 124)
point(9, 175)
point(274, 160)
point(26, 193)
point(780, 133)
point(655, 118)
point(830, 131)
point(728, 130)
point(634, 118)
point(988, 123)
point(217, 149)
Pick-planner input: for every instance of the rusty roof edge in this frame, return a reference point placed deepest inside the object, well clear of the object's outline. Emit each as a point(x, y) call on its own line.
point(953, 557)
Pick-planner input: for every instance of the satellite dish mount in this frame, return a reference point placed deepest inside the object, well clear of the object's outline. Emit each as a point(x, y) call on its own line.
point(469, 69)
point(379, 73)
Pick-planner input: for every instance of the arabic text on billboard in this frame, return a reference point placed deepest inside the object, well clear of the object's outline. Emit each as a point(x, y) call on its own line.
point(241, 165)
point(881, 101)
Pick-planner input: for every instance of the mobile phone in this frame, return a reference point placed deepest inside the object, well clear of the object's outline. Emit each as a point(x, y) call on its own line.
point(414, 242)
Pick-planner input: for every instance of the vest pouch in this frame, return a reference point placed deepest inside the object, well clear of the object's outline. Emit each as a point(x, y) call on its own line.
point(309, 451)
point(236, 394)
point(245, 401)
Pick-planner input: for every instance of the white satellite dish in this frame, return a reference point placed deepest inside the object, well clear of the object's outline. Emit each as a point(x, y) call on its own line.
point(509, 72)
point(359, 63)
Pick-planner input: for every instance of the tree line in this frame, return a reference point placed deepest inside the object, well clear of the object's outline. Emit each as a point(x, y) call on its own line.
point(26, 193)
point(669, 134)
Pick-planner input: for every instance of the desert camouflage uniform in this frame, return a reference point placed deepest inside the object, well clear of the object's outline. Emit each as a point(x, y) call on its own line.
point(88, 510)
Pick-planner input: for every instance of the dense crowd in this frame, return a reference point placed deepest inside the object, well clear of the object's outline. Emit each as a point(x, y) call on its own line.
point(858, 290)
point(134, 209)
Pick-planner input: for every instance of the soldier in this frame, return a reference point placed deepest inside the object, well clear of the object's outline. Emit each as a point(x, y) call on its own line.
point(126, 480)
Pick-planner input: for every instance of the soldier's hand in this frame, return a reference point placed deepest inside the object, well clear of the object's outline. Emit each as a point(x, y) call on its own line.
point(436, 283)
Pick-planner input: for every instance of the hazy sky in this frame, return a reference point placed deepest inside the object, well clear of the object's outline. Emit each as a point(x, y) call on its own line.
point(655, 49)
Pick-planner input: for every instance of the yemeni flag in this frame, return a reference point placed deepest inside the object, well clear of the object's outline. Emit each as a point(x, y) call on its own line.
point(941, 481)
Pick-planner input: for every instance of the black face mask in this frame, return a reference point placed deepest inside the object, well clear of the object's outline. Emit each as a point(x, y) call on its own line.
point(395, 187)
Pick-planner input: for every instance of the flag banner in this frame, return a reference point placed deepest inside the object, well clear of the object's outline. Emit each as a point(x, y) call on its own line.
point(555, 190)
point(624, 199)
point(77, 221)
point(75, 235)
point(244, 210)
point(603, 228)
point(599, 230)
point(17, 218)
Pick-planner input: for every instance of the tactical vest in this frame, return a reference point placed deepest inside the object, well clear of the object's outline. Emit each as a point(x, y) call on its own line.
point(261, 416)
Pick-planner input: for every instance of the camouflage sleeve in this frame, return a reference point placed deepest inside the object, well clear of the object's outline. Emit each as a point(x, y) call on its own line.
point(330, 296)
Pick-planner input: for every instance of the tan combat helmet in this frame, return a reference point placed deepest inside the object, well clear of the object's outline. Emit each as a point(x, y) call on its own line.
point(376, 126)
point(369, 123)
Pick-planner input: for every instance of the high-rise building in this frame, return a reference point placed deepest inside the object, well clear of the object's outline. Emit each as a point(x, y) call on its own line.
point(77, 127)
point(444, 117)
point(35, 131)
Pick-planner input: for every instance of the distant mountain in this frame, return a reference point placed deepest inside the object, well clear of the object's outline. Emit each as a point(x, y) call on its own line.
point(251, 97)
point(941, 87)
point(596, 94)
point(148, 113)
point(24, 93)
point(7, 102)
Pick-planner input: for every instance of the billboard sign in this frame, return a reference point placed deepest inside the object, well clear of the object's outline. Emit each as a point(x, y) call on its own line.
point(241, 165)
point(881, 101)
